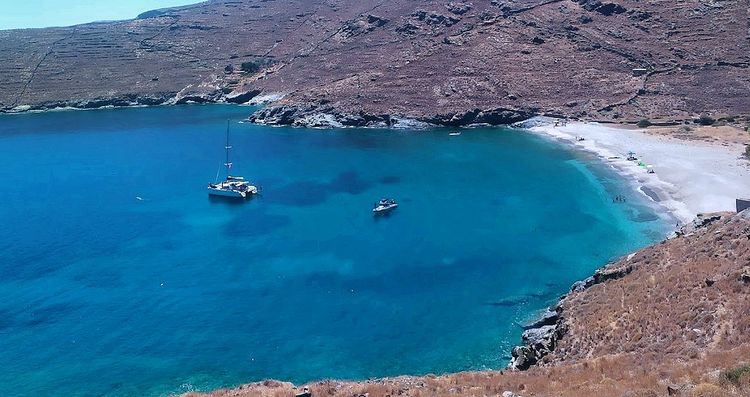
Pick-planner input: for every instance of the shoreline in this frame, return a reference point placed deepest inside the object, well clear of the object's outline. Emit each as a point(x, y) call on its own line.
point(690, 177)
point(549, 339)
point(540, 340)
point(715, 168)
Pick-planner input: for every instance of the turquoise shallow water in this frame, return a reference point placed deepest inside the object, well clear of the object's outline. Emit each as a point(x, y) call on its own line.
point(104, 294)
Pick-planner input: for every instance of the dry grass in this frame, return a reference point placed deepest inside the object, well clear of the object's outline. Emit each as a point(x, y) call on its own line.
point(604, 376)
point(719, 135)
point(666, 304)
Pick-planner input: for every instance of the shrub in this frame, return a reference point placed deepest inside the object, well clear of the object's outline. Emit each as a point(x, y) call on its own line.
point(255, 65)
point(705, 120)
point(747, 151)
point(739, 375)
point(250, 67)
point(644, 123)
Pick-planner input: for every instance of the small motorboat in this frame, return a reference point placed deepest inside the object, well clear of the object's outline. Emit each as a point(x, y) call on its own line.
point(454, 133)
point(384, 206)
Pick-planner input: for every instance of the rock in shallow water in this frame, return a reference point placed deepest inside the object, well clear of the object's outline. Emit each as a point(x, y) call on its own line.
point(548, 317)
point(538, 336)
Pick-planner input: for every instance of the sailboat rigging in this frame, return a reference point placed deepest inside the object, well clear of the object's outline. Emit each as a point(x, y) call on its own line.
point(232, 186)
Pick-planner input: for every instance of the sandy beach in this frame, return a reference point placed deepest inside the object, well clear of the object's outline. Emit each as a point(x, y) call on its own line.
point(691, 176)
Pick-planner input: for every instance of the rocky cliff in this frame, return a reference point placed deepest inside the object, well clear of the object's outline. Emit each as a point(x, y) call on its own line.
point(449, 62)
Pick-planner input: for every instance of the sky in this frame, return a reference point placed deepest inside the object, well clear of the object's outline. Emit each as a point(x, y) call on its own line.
point(43, 13)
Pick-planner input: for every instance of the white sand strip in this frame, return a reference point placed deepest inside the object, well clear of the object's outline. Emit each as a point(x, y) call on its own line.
point(690, 177)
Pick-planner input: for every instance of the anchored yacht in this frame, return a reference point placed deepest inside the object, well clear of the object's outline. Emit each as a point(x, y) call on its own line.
point(232, 186)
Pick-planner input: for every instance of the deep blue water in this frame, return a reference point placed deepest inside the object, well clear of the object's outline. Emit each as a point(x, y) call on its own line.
point(104, 294)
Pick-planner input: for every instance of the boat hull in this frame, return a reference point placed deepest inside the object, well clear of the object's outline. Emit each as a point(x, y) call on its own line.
point(226, 193)
point(384, 209)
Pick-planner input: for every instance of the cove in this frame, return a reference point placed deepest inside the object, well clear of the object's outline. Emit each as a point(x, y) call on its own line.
point(107, 294)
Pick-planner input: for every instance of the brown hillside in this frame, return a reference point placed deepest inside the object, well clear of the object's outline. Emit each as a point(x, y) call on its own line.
point(404, 57)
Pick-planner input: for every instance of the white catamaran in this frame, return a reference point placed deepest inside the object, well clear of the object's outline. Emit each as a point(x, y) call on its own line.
point(232, 186)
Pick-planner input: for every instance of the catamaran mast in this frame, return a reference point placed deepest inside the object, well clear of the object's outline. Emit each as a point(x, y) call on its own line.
point(228, 163)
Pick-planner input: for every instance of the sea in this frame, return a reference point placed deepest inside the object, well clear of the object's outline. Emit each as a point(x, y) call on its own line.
point(120, 276)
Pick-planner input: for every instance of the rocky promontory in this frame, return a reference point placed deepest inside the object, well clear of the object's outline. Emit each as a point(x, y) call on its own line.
point(328, 116)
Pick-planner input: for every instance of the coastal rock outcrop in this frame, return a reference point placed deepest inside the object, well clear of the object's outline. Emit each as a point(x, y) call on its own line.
point(540, 337)
point(100, 102)
point(324, 115)
point(241, 96)
point(496, 116)
point(537, 343)
point(316, 116)
point(548, 317)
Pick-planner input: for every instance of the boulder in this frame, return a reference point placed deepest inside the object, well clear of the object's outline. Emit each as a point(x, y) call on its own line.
point(541, 336)
point(431, 18)
point(579, 286)
point(602, 8)
point(612, 273)
point(548, 317)
point(610, 9)
point(523, 358)
point(458, 8)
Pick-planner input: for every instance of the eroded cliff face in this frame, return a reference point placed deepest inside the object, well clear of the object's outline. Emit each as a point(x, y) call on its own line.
point(668, 320)
point(429, 59)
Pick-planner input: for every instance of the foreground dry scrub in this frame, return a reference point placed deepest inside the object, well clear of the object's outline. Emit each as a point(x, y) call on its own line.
point(675, 324)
